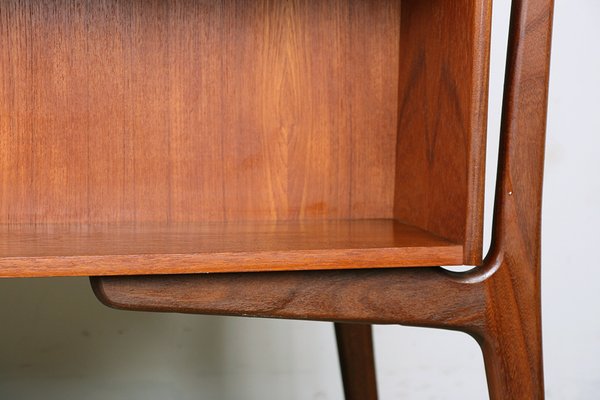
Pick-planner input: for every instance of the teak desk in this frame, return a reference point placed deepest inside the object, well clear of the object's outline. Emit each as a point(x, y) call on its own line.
point(145, 142)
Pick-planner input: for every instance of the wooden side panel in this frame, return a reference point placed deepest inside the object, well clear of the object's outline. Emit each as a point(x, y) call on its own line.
point(117, 111)
point(442, 119)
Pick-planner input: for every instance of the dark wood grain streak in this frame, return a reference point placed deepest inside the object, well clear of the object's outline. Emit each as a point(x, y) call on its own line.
point(357, 363)
point(497, 303)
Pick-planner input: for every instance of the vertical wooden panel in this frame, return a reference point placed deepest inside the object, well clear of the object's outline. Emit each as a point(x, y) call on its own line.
point(317, 35)
point(16, 195)
point(59, 112)
point(295, 74)
point(252, 149)
point(442, 119)
point(150, 91)
point(196, 108)
point(373, 76)
point(109, 127)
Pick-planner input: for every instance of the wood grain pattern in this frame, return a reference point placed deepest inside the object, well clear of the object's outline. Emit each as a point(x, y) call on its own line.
point(442, 118)
point(125, 249)
point(121, 111)
point(498, 303)
point(133, 112)
point(512, 345)
point(357, 363)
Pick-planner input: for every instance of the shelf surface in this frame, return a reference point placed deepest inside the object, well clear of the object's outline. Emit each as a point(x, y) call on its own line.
point(137, 249)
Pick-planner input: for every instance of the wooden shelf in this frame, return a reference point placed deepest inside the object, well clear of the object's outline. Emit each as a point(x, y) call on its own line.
point(128, 130)
point(69, 250)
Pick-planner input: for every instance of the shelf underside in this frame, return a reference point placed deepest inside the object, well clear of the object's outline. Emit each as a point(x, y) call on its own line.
point(135, 249)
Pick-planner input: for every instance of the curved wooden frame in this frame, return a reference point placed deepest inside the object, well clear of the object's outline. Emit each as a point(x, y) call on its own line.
point(497, 303)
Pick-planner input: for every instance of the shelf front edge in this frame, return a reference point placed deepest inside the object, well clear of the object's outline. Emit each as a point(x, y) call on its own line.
point(156, 264)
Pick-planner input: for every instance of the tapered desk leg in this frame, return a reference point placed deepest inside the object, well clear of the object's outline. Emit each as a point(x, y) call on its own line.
point(512, 344)
point(512, 340)
point(355, 347)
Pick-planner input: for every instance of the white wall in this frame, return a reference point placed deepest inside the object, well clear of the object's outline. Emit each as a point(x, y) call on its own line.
point(57, 342)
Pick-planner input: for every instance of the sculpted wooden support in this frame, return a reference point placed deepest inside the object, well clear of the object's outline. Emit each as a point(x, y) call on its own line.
point(497, 303)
